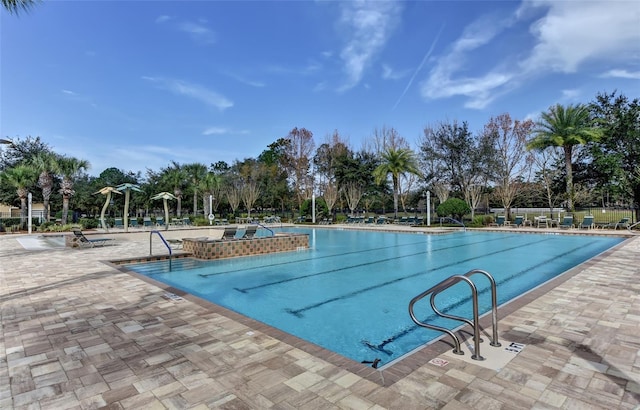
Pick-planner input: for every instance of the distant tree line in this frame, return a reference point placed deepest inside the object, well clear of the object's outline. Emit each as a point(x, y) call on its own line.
point(574, 155)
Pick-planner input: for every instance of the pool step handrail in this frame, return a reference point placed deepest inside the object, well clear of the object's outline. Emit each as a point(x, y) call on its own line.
point(445, 284)
point(268, 229)
point(630, 227)
point(464, 228)
point(163, 241)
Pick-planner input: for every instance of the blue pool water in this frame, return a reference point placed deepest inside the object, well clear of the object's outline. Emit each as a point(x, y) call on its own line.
point(350, 292)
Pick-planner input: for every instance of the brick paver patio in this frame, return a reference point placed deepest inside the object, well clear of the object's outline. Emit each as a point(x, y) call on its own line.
point(79, 333)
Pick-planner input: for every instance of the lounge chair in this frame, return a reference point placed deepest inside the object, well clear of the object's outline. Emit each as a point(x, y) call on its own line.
point(159, 221)
point(501, 220)
point(567, 222)
point(186, 221)
point(381, 220)
point(133, 222)
point(146, 222)
point(229, 233)
point(542, 221)
point(83, 241)
point(623, 223)
point(250, 232)
point(587, 222)
point(518, 222)
point(117, 223)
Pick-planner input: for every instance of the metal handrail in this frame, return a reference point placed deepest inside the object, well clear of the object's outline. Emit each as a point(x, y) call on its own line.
point(445, 284)
point(268, 229)
point(165, 244)
point(464, 228)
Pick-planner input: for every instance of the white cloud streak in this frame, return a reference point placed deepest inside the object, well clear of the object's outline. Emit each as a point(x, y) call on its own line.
point(368, 25)
point(194, 91)
point(422, 63)
point(619, 73)
point(198, 32)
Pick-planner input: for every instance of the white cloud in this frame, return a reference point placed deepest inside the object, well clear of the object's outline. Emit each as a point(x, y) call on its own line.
point(69, 92)
point(572, 33)
point(442, 82)
point(162, 19)
point(195, 91)
point(368, 26)
point(566, 35)
point(618, 73)
point(198, 32)
point(570, 95)
point(389, 73)
point(215, 131)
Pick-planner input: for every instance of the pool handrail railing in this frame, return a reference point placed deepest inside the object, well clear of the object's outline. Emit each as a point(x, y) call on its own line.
point(165, 244)
point(445, 284)
point(268, 229)
point(464, 228)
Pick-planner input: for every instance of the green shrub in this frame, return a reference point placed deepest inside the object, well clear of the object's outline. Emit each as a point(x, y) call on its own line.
point(89, 223)
point(453, 207)
point(322, 211)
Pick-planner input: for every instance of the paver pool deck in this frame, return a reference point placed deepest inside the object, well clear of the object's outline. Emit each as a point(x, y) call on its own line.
point(79, 333)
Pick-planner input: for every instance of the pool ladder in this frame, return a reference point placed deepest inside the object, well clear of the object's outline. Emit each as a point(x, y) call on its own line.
point(447, 283)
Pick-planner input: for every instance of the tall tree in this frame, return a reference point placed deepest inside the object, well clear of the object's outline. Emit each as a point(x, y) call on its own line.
point(511, 160)
point(396, 162)
point(565, 127)
point(617, 157)
point(195, 172)
point(70, 168)
point(297, 160)
point(458, 157)
point(46, 163)
point(21, 177)
point(175, 176)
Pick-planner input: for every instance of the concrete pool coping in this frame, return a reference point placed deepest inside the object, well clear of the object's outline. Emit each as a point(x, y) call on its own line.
point(77, 332)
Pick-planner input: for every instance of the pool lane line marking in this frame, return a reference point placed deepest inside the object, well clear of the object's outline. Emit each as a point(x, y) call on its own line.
point(245, 290)
point(406, 331)
point(298, 312)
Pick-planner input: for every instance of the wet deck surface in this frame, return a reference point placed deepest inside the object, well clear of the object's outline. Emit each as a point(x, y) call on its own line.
point(79, 333)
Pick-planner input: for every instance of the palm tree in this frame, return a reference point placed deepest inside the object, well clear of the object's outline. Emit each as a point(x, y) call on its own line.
point(127, 188)
point(14, 6)
point(70, 168)
point(108, 190)
point(208, 186)
point(164, 196)
point(46, 163)
point(21, 177)
point(395, 161)
point(175, 177)
point(196, 173)
point(564, 127)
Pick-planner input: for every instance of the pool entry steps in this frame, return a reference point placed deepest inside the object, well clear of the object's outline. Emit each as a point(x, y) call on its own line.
point(447, 283)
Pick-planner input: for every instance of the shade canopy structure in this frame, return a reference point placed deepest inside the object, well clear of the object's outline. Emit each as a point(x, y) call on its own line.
point(108, 190)
point(165, 196)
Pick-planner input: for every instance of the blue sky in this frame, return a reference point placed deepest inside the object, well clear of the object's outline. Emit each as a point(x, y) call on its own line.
point(136, 85)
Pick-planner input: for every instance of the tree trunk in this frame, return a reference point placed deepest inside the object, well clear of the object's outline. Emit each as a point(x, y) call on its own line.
point(65, 209)
point(568, 149)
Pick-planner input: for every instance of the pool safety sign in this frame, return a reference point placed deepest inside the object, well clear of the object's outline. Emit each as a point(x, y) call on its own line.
point(514, 348)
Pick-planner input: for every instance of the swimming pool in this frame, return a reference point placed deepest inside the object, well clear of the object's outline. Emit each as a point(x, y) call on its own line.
point(349, 293)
